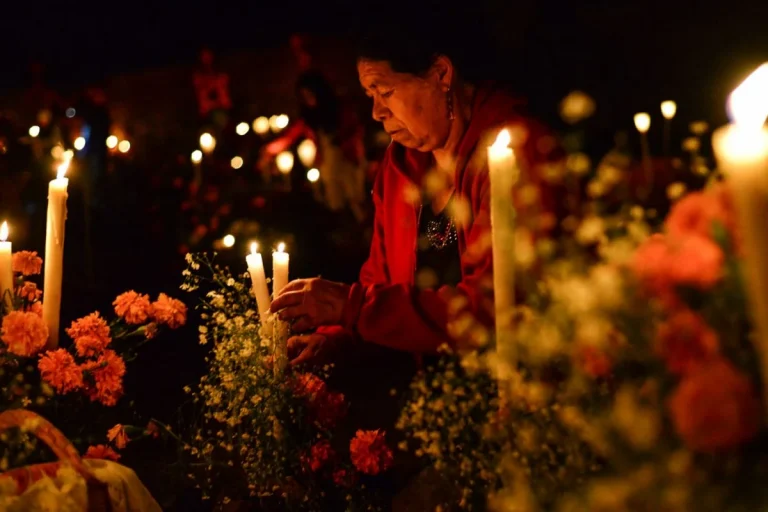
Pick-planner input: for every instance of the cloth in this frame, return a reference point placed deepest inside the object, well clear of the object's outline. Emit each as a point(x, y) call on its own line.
point(385, 307)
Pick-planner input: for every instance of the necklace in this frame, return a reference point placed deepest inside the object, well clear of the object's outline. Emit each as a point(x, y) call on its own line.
point(441, 234)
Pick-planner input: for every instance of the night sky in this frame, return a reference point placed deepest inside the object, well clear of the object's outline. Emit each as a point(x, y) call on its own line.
point(627, 52)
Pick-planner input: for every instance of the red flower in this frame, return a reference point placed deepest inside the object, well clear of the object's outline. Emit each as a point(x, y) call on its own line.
point(119, 436)
point(328, 408)
point(319, 454)
point(697, 213)
point(307, 385)
point(594, 362)
point(369, 452)
point(101, 451)
point(27, 263)
point(344, 478)
point(685, 340)
point(715, 407)
point(91, 334)
point(152, 430)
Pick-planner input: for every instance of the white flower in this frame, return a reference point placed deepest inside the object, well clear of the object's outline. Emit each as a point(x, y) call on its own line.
point(230, 282)
point(591, 230)
point(203, 329)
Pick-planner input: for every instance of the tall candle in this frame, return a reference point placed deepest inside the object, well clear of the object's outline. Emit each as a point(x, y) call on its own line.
point(280, 261)
point(668, 110)
point(54, 253)
point(643, 124)
point(503, 172)
point(6, 267)
point(741, 149)
point(258, 279)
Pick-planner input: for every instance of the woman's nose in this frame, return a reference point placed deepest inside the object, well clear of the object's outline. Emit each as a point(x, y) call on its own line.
point(380, 112)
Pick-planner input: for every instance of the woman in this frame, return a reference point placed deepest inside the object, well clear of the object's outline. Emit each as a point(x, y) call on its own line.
point(432, 246)
point(338, 136)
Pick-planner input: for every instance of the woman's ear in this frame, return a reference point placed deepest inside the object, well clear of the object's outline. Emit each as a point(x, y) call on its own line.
point(443, 70)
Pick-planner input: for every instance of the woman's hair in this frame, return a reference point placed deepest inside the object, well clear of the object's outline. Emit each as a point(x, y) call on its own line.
point(411, 45)
point(325, 115)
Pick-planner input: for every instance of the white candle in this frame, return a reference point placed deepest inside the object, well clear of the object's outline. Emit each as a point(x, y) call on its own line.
point(6, 267)
point(643, 124)
point(503, 172)
point(54, 253)
point(280, 261)
point(742, 154)
point(668, 110)
point(258, 279)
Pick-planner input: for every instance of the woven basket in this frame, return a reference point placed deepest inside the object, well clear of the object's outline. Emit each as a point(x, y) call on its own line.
point(98, 495)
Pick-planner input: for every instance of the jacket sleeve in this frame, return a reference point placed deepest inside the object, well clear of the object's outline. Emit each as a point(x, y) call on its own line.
point(404, 317)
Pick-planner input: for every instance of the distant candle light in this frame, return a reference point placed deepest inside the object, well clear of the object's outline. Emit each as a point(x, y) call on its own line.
point(242, 128)
point(197, 156)
point(34, 131)
point(642, 122)
point(313, 175)
point(284, 162)
point(112, 142)
point(236, 162)
point(261, 125)
point(307, 151)
point(207, 142)
point(668, 109)
point(124, 146)
point(68, 155)
point(79, 143)
point(228, 241)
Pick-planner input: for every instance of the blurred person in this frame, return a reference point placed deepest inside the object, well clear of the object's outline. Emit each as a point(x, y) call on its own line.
point(96, 122)
point(338, 136)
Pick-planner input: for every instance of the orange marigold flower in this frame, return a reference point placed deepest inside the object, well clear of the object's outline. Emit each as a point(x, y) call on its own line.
point(169, 311)
point(27, 263)
point(150, 331)
point(118, 436)
point(36, 308)
point(106, 378)
point(29, 291)
point(715, 407)
point(684, 341)
point(25, 333)
point(59, 369)
point(369, 452)
point(91, 335)
point(101, 451)
point(133, 307)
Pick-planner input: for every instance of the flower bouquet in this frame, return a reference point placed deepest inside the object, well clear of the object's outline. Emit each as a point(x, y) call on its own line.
point(264, 432)
point(61, 383)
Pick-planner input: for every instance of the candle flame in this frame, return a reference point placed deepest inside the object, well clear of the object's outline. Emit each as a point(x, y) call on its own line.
point(748, 103)
point(668, 109)
point(502, 140)
point(62, 170)
point(4, 232)
point(280, 247)
point(642, 122)
point(254, 248)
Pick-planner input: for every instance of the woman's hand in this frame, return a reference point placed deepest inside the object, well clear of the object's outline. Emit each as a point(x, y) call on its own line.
point(310, 303)
point(311, 349)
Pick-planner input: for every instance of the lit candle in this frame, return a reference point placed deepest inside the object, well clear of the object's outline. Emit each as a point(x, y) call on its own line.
point(307, 151)
point(258, 279)
point(284, 162)
point(668, 110)
point(643, 124)
point(54, 253)
point(503, 172)
point(207, 143)
point(6, 267)
point(280, 260)
point(741, 149)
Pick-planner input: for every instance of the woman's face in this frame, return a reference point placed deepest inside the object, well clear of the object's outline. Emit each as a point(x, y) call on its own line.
point(413, 109)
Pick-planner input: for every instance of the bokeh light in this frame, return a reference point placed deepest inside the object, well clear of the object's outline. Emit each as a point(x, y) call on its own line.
point(124, 146)
point(79, 143)
point(207, 142)
point(313, 175)
point(197, 156)
point(236, 162)
point(34, 131)
point(242, 128)
point(261, 125)
point(228, 240)
point(284, 162)
point(112, 142)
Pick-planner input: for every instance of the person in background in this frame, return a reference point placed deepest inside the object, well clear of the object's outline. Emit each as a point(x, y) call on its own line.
point(212, 91)
point(94, 112)
point(338, 135)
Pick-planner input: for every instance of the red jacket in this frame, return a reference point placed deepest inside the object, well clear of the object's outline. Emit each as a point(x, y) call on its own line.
point(385, 307)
